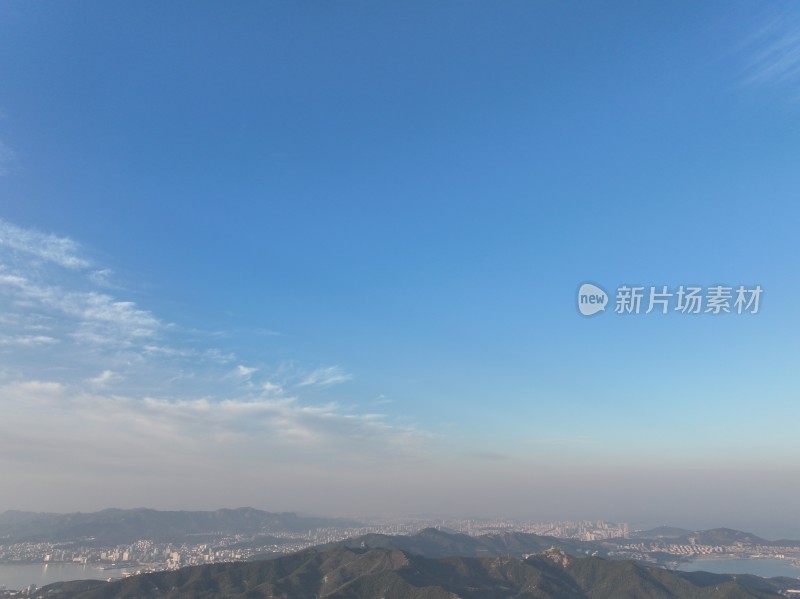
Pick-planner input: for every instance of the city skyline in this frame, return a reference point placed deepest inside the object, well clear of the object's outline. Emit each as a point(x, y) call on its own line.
point(326, 258)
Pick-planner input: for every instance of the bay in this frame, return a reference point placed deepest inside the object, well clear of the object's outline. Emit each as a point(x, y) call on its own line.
point(765, 567)
point(20, 576)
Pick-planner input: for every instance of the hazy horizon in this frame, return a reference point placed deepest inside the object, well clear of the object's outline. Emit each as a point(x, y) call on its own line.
point(430, 517)
point(325, 257)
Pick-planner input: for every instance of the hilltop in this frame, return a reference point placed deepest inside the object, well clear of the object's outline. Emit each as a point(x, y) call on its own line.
point(435, 543)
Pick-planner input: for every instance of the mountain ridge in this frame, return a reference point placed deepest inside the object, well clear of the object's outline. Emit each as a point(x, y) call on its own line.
point(345, 572)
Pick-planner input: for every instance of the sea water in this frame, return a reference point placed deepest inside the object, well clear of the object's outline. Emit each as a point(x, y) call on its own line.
point(766, 567)
point(20, 576)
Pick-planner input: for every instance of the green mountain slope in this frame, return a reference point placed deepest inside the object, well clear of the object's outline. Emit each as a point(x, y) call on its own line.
point(361, 573)
point(431, 542)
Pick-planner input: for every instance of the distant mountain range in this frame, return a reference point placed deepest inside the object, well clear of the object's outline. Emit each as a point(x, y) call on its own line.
point(373, 573)
point(117, 526)
point(114, 526)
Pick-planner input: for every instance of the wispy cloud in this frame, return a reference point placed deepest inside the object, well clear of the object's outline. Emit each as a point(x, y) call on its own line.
point(87, 372)
point(124, 316)
point(103, 378)
point(27, 340)
point(69, 417)
point(219, 356)
point(325, 377)
point(773, 52)
point(96, 317)
point(245, 371)
point(52, 293)
point(59, 250)
point(101, 277)
point(270, 388)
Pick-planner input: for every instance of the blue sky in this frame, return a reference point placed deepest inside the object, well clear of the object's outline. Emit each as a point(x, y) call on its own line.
point(325, 257)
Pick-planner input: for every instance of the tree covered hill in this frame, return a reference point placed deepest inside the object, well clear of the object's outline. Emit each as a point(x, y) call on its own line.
point(360, 573)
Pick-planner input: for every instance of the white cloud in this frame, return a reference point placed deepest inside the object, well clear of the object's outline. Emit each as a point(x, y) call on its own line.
point(104, 378)
point(125, 316)
point(167, 351)
point(272, 388)
point(101, 277)
point(99, 317)
point(27, 340)
point(217, 355)
point(84, 424)
point(325, 377)
point(243, 371)
point(28, 390)
point(58, 250)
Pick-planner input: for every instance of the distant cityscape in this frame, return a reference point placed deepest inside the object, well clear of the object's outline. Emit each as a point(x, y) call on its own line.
point(146, 555)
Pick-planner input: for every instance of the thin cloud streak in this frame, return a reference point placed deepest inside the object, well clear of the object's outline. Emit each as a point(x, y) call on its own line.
point(325, 377)
point(27, 340)
point(775, 54)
